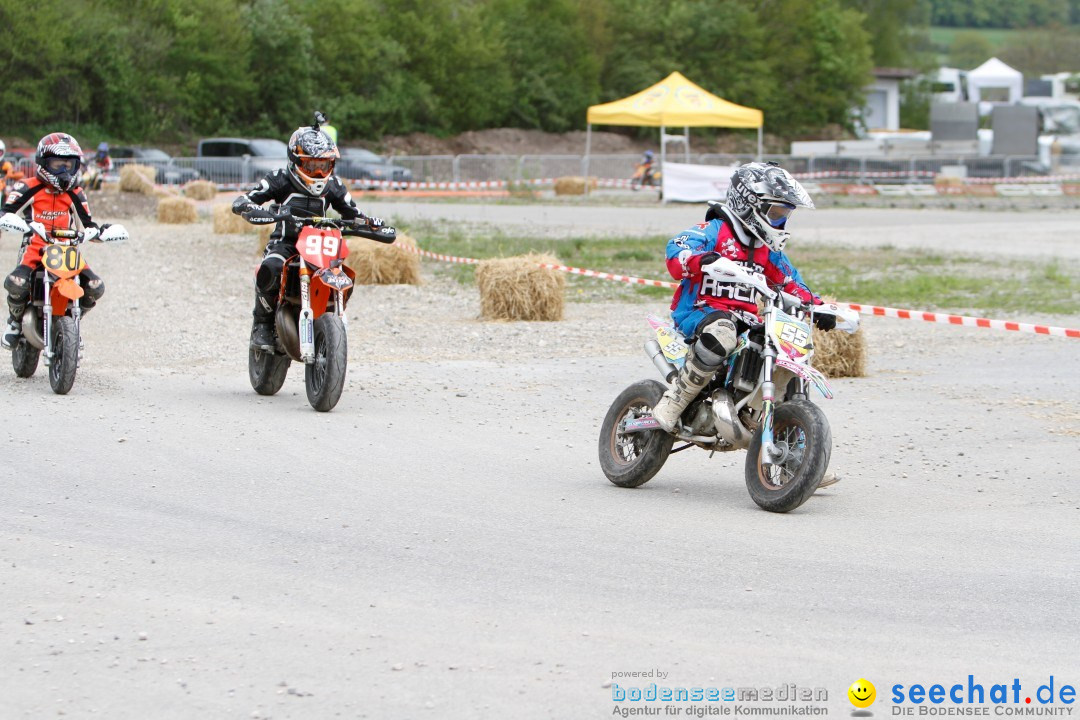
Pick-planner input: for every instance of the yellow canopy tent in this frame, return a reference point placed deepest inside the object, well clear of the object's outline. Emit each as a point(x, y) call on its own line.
point(672, 102)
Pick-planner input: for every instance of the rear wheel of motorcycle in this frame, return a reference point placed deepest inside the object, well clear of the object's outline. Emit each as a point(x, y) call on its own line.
point(631, 459)
point(24, 358)
point(325, 377)
point(65, 361)
point(802, 430)
point(267, 370)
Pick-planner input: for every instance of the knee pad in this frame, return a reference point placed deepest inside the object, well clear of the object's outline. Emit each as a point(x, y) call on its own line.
point(716, 342)
point(93, 290)
point(268, 276)
point(18, 284)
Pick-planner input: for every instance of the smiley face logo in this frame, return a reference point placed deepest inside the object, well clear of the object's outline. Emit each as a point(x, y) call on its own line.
point(862, 693)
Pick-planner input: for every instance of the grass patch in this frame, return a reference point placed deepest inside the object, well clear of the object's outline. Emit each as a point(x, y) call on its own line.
point(915, 279)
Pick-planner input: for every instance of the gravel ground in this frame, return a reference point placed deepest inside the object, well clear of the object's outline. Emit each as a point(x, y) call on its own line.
point(443, 544)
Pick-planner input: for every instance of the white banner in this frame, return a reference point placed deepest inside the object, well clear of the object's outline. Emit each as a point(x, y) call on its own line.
point(696, 183)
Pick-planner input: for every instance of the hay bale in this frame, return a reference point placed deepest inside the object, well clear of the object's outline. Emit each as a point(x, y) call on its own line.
point(226, 223)
point(517, 288)
point(573, 185)
point(200, 190)
point(137, 179)
point(376, 263)
point(264, 237)
point(176, 211)
point(839, 354)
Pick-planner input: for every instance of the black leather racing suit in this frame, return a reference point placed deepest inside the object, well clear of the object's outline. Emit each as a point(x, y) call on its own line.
point(280, 187)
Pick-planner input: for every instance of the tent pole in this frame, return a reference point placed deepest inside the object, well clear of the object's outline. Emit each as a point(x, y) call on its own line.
point(588, 147)
point(686, 143)
point(759, 129)
point(663, 155)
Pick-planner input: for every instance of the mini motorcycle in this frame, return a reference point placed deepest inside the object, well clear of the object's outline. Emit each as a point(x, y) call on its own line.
point(310, 321)
point(759, 400)
point(645, 174)
point(52, 319)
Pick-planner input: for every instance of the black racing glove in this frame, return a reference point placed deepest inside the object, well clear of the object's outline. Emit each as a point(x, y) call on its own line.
point(708, 258)
point(374, 223)
point(824, 321)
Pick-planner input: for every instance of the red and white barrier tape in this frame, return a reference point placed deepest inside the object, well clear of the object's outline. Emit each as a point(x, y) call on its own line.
point(941, 318)
point(964, 320)
point(869, 174)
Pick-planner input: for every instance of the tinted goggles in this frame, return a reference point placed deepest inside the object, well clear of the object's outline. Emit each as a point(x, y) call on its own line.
point(777, 213)
point(316, 167)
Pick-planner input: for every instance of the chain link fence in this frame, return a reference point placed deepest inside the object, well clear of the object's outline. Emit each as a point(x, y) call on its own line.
point(517, 168)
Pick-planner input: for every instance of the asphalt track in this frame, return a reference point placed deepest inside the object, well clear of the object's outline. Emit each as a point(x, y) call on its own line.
point(443, 544)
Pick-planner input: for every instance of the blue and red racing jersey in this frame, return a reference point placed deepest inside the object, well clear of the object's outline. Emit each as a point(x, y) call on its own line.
point(697, 291)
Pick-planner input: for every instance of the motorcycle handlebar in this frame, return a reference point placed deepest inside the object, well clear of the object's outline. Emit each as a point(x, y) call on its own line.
point(384, 234)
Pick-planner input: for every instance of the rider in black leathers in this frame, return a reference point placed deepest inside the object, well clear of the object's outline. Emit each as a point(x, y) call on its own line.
point(306, 188)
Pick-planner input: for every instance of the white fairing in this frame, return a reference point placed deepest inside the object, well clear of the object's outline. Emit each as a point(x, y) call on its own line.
point(13, 223)
point(114, 233)
point(725, 270)
point(847, 319)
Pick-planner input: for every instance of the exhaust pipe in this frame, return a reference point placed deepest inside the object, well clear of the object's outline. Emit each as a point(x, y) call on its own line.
point(666, 369)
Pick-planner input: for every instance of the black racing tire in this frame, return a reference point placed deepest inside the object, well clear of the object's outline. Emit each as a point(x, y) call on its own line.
point(65, 361)
point(267, 370)
point(804, 429)
point(632, 460)
point(325, 377)
point(24, 358)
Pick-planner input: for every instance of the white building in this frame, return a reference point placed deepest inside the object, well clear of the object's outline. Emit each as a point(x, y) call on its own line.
point(882, 108)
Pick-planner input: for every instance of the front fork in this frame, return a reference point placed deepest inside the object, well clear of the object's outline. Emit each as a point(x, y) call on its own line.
point(770, 453)
point(307, 318)
point(47, 321)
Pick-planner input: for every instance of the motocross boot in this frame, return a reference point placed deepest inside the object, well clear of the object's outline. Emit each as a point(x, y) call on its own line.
point(686, 386)
point(262, 336)
point(12, 333)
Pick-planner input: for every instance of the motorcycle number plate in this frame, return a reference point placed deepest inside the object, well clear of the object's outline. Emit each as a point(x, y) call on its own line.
point(321, 246)
point(673, 347)
point(62, 260)
point(793, 337)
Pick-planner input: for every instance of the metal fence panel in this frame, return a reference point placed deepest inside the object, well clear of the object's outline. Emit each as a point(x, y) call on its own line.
point(427, 168)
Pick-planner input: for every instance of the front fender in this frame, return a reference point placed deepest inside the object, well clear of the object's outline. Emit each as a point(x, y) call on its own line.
point(808, 374)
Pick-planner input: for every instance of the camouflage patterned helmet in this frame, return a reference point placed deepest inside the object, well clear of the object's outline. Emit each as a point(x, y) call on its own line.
point(763, 196)
point(312, 156)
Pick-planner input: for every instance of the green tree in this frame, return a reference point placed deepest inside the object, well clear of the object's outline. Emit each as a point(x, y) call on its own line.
point(969, 49)
point(823, 68)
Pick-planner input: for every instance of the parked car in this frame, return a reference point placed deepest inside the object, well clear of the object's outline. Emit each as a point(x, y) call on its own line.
point(361, 164)
point(167, 171)
point(239, 160)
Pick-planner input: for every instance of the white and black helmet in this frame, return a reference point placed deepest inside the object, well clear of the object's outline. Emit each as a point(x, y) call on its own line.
point(763, 196)
point(312, 156)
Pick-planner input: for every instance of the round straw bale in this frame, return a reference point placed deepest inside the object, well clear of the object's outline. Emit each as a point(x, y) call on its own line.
point(176, 211)
point(226, 223)
point(264, 237)
point(377, 263)
point(137, 179)
point(517, 288)
point(573, 185)
point(200, 190)
point(839, 354)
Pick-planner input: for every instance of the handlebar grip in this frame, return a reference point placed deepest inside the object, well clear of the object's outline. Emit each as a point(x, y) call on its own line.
point(385, 234)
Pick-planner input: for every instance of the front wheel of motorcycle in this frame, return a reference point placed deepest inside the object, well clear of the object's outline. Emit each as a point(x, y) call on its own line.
point(325, 376)
point(267, 370)
point(24, 358)
point(631, 459)
point(801, 431)
point(65, 361)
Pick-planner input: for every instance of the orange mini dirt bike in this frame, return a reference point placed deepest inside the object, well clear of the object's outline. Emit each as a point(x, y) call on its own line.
point(310, 320)
point(51, 321)
point(644, 174)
